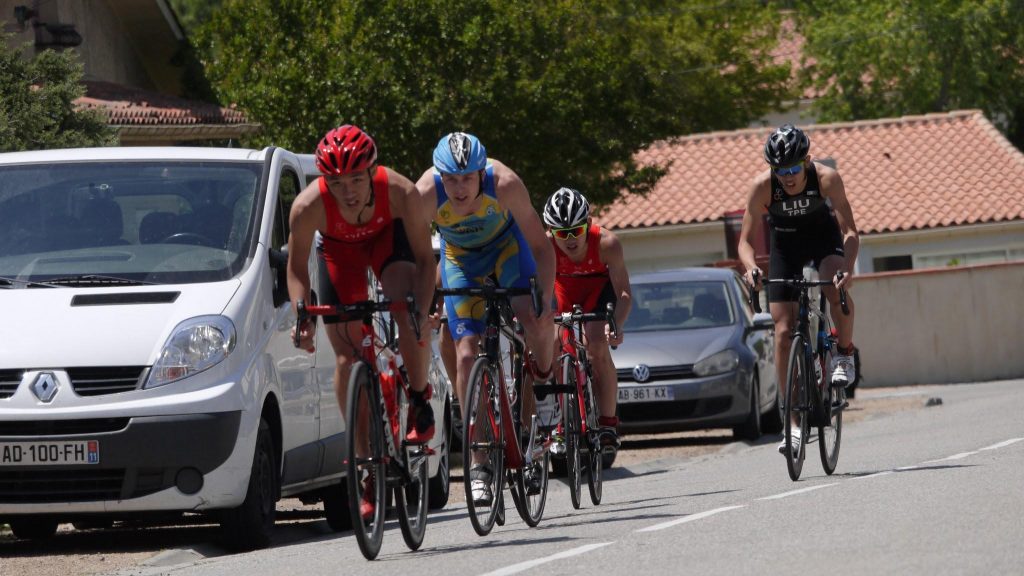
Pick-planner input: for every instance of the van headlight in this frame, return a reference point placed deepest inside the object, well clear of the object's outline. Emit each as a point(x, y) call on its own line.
point(720, 363)
point(195, 345)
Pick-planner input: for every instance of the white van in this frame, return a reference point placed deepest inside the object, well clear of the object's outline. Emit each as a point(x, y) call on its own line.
point(146, 363)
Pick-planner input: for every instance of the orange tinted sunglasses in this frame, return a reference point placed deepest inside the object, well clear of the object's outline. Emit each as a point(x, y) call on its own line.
point(566, 233)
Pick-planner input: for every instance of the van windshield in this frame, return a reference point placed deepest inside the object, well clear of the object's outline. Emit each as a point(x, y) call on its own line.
point(132, 221)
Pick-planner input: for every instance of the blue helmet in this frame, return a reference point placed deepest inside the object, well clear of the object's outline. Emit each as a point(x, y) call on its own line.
point(459, 153)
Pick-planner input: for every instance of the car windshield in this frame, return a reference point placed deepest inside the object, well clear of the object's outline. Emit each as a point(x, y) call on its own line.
point(679, 306)
point(91, 223)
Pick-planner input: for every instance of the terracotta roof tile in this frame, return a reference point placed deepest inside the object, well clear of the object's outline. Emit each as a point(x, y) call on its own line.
point(900, 173)
point(126, 106)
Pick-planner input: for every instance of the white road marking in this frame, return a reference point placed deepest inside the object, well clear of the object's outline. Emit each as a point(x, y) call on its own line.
point(875, 475)
point(800, 491)
point(516, 568)
point(1003, 444)
point(953, 457)
point(688, 518)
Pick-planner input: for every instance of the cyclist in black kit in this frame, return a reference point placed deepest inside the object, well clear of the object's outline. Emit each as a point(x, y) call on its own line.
point(797, 194)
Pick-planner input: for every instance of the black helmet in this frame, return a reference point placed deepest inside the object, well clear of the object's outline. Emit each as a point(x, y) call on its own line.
point(566, 208)
point(786, 146)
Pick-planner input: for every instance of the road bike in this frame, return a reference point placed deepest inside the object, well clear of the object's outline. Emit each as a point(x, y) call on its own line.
point(512, 450)
point(378, 403)
point(810, 399)
point(580, 428)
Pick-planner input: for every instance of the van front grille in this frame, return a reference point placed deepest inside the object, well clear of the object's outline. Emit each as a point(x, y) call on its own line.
point(97, 381)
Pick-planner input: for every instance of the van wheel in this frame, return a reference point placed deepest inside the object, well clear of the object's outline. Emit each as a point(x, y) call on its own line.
point(33, 528)
point(439, 487)
point(336, 507)
point(250, 525)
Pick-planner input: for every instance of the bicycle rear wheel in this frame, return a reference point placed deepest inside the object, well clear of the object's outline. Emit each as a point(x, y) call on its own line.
point(572, 429)
point(830, 435)
point(594, 462)
point(483, 441)
point(365, 473)
point(411, 494)
point(796, 408)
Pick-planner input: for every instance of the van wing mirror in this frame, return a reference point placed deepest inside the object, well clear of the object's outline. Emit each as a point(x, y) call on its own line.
point(279, 264)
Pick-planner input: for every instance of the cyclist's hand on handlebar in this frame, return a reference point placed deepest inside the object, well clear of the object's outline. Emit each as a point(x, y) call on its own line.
point(306, 333)
point(843, 279)
point(753, 277)
point(614, 338)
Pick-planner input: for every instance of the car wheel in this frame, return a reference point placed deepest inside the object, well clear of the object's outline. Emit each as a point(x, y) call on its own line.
point(33, 528)
point(773, 422)
point(336, 507)
point(439, 487)
point(751, 428)
point(249, 526)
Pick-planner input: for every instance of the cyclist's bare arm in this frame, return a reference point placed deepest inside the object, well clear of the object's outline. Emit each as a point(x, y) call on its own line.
point(832, 188)
point(428, 195)
point(758, 198)
point(512, 194)
point(610, 251)
point(406, 204)
point(307, 214)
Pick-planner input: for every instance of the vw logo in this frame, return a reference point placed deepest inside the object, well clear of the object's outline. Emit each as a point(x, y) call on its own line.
point(641, 373)
point(45, 386)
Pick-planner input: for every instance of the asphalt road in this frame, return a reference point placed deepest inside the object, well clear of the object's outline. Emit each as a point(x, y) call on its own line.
point(917, 491)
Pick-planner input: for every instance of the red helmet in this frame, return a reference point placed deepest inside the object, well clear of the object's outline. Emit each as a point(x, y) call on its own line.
point(345, 150)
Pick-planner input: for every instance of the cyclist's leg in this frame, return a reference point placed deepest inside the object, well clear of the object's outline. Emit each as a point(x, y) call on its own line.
point(395, 266)
point(514, 268)
point(843, 322)
point(341, 280)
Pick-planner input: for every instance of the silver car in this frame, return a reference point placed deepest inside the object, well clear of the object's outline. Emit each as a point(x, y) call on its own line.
point(695, 356)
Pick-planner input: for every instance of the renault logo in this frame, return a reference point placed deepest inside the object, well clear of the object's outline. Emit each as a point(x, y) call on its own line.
point(641, 373)
point(45, 386)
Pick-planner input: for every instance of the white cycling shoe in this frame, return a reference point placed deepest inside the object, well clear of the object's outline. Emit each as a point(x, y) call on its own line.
point(843, 371)
point(796, 442)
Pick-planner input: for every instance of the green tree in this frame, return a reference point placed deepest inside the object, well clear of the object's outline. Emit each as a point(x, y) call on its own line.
point(564, 91)
point(37, 108)
point(885, 58)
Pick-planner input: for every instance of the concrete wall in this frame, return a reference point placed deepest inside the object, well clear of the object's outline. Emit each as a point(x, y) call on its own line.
point(940, 326)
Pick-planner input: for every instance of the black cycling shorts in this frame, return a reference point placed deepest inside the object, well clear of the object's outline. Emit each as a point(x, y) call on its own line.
point(791, 251)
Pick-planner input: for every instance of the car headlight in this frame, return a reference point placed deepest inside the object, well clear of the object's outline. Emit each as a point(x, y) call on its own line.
point(195, 345)
point(724, 361)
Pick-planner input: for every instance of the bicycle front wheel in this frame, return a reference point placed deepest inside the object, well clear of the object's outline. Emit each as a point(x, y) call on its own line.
point(483, 454)
point(796, 408)
point(365, 466)
point(830, 434)
point(595, 456)
point(572, 430)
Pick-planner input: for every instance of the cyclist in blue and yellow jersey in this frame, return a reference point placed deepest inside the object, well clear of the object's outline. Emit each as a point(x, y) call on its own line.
point(489, 232)
point(810, 220)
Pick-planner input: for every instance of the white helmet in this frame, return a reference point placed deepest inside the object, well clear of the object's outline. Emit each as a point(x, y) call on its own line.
point(566, 208)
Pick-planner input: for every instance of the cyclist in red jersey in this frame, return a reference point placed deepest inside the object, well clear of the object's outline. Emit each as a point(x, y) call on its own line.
point(367, 216)
point(590, 271)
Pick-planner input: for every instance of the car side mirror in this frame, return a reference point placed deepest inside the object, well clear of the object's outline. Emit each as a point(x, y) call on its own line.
point(279, 264)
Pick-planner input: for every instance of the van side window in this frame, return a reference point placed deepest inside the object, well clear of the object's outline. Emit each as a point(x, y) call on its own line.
point(287, 189)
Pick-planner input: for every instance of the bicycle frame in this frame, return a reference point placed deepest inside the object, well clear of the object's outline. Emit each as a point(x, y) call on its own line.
point(391, 380)
point(571, 336)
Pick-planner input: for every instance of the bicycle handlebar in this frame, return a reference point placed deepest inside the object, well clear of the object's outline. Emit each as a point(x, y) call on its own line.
point(489, 292)
point(355, 311)
point(796, 283)
point(566, 319)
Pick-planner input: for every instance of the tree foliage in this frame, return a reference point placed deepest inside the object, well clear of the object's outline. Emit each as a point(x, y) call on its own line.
point(563, 91)
point(887, 58)
point(37, 108)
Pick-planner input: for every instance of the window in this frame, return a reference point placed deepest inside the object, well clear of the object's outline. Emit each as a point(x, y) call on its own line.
point(287, 190)
point(890, 263)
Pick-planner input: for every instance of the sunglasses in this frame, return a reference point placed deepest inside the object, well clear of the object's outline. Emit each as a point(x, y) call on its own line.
point(789, 170)
point(566, 233)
